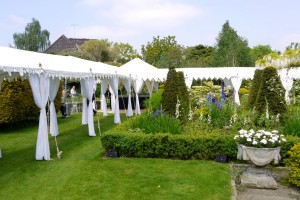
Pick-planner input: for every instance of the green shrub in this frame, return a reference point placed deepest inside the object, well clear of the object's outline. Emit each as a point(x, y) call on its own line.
point(16, 103)
point(162, 145)
point(158, 122)
point(271, 94)
point(293, 163)
point(174, 90)
point(291, 124)
point(154, 102)
point(254, 87)
point(169, 96)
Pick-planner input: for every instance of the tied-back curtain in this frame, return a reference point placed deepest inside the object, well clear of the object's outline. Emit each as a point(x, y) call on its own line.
point(112, 97)
point(236, 83)
point(89, 86)
point(149, 85)
point(40, 89)
point(114, 86)
point(137, 86)
point(104, 84)
point(188, 81)
point(287, 83)
point(54, 85)
point(84, 102)
point(127, 85)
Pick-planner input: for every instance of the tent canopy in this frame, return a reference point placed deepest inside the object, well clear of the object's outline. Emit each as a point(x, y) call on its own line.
point(138, 68)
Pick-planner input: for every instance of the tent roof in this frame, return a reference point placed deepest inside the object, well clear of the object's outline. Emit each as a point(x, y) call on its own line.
point(15, 62)
point(215, 72)
point(139, 68)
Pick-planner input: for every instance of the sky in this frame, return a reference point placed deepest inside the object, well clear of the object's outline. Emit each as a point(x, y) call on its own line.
point(192, 22)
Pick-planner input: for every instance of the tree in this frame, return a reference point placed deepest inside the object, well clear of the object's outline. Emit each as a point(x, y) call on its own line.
point(123, 52)
point(258, 52)
point(163, 53)
point(33, 39)
point(198, 56)
point(231, 50)
point(100, 50)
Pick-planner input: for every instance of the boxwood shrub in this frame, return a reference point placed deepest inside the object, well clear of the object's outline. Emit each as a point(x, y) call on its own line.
point(163, 145)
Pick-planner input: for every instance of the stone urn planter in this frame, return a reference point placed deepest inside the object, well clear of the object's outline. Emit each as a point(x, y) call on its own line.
point(258, 176)
point(259, 156)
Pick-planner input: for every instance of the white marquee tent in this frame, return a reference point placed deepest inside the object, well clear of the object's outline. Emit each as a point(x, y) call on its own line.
point(44, 72)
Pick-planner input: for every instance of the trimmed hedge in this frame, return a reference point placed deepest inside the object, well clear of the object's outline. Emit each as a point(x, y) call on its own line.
point(162, 145)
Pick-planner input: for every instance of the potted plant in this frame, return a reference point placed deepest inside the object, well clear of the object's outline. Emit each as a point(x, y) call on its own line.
point(261, 147)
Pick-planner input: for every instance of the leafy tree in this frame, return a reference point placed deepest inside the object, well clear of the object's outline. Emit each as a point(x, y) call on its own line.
point(255, 87)
point(231, 50)
point(198, 56)
point(258, 52)
point(163, 53)
point(33, 39)
point(123, 52)
point(100, 50)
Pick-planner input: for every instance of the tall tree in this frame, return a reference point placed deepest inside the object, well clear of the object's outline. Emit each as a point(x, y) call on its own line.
point(123, 52)
point(163, 53)
point(33, 39)
point(198, 56)
point(258, 52)
point(98, 49)
point(231, 50)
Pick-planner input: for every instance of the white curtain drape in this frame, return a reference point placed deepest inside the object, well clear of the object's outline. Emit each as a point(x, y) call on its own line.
point(54, 85)
point(236, 83)
point(149, 85)
point(127, 85)
point(137, 86)
point(188, 81)
point(40, 89)
point(112, 98)
point(287, 83)
point(104, 84)
point(114, 83)
point(84, 102)
point(89, 90)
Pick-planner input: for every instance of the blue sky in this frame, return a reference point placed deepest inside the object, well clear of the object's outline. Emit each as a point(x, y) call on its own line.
point(192, 22)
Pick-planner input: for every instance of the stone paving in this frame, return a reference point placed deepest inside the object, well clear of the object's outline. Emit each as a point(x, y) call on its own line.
point(281, 193)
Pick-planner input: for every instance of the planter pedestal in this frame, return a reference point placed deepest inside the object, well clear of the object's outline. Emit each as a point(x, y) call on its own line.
point(260, 178)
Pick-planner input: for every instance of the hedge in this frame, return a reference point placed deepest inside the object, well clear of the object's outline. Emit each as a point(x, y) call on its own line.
point(162, 145)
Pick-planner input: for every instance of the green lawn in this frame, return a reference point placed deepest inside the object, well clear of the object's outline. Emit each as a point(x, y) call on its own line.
point(83, 174)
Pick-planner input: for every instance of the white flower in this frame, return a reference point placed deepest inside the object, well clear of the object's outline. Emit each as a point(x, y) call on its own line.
point(236, 137)
point(242, 131)
point(249, 139)
point(254, 142)
point(264, 141)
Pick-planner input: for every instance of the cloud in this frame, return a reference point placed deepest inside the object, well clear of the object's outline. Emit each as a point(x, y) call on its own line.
point(98, 32)
point(153, 14)
point(93, 2)
point(18, 19)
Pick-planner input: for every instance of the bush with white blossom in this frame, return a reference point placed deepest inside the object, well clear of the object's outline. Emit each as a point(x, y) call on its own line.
point(260, 138)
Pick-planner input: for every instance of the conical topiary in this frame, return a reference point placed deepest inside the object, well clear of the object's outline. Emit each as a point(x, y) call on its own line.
point(271, 94)
point(169, 96)
point(254, 87)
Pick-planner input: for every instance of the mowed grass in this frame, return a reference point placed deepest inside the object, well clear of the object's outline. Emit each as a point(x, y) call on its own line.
point(83, 173)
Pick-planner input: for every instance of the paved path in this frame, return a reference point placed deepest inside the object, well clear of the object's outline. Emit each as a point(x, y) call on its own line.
point(281, 193)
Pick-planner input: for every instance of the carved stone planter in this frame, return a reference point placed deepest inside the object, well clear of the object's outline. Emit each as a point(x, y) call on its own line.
point(258, 176)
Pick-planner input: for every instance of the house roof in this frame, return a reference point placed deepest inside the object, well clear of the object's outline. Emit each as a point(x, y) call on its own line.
point(65, 44)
